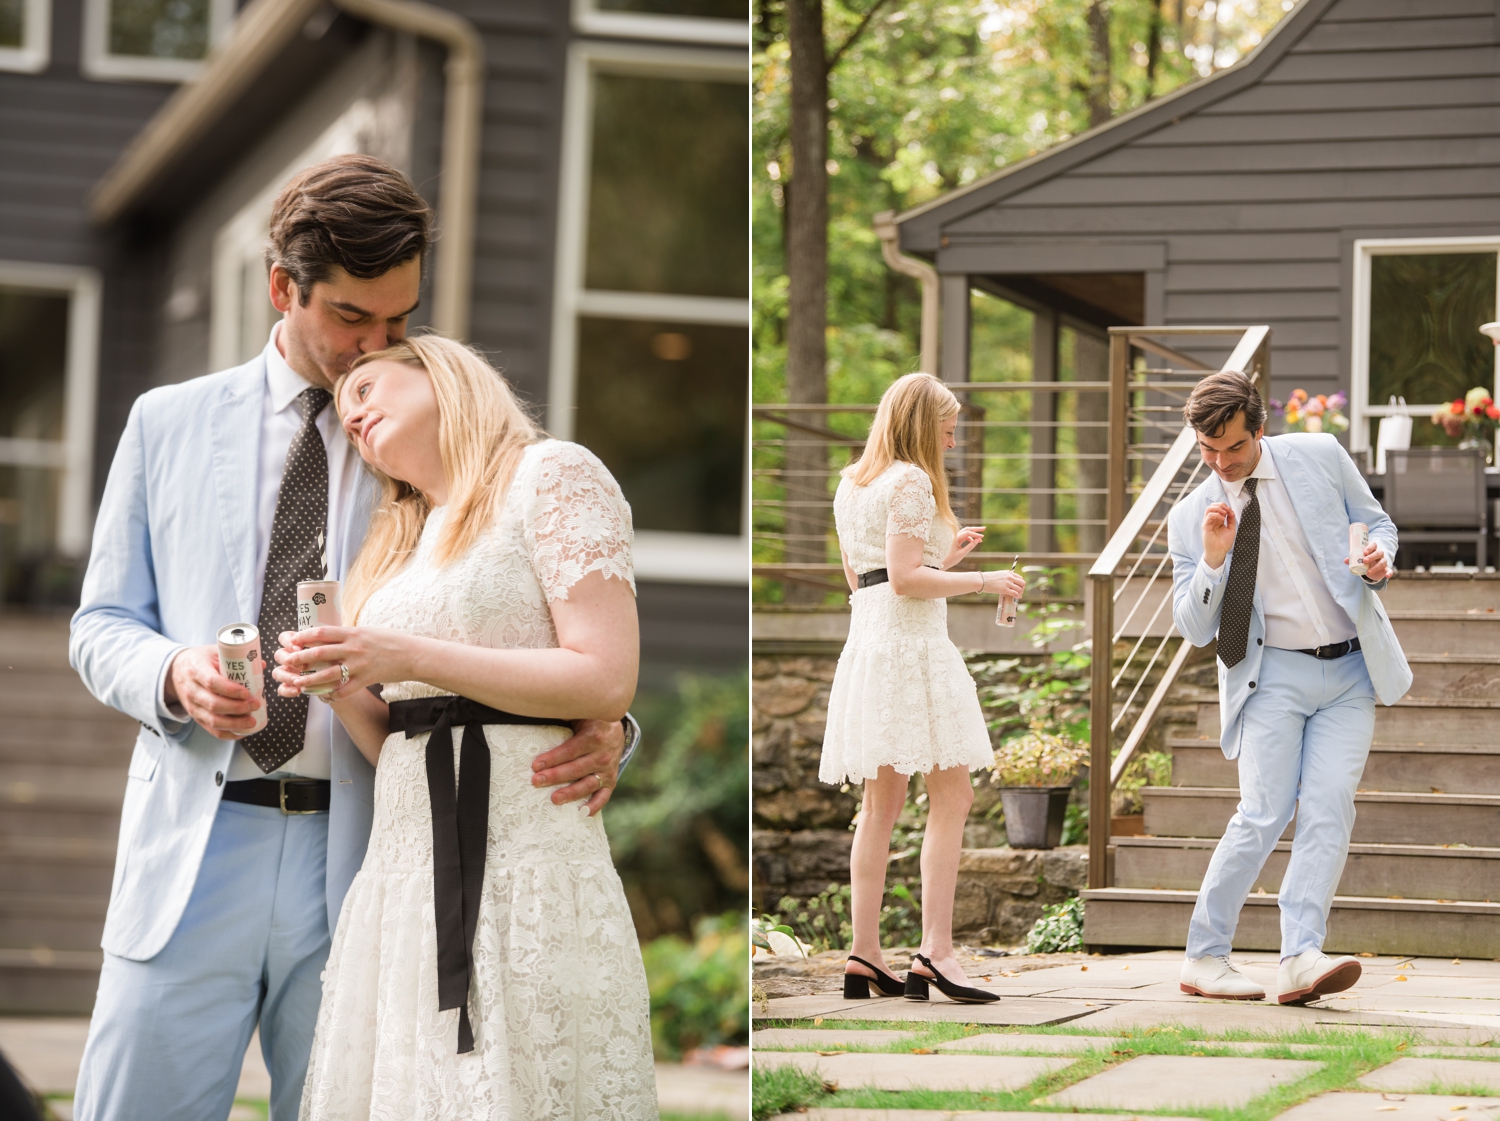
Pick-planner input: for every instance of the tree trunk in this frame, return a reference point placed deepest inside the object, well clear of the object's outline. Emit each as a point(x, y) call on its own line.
point(1100, 77)
point(806, 475)
point(1153, 49)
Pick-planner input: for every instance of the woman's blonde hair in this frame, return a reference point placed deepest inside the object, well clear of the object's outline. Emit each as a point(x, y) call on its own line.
point(482, 433)
point(909, 427)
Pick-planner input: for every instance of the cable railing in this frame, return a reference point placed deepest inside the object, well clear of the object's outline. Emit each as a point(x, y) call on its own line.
point(1134, 570)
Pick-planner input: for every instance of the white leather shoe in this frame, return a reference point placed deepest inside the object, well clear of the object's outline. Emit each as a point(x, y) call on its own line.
point(1217, 977)
point(1313, 974)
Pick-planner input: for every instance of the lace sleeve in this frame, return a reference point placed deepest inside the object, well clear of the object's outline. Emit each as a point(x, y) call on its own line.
point(912, 505)
point(577, 521)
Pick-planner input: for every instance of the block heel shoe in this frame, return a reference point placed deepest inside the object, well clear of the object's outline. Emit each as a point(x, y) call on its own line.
point(916, 986)
point(857, 987)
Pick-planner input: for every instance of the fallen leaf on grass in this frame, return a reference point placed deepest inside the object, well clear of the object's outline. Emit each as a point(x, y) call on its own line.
point(827, 1053)
point(920, 1051)
point(1400, 1047)
point(830, 1087)
point(1083, 969)
point(1365, 954)
point(817, 1020)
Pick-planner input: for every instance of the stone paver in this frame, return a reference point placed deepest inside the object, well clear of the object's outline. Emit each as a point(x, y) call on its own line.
point(1182, 1082)
point(918, 1072)
point(1457, 1052)
point(953, 1115)
point(1409, 1075)
point(1000, 1042)
point(808, 1007)
point(786, 1039)
point(1342, 1106)
point(1209, 1016)
point(702, 1089)
point(1017, 1013)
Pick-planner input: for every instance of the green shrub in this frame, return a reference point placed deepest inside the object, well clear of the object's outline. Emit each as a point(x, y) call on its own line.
point(1059, 930)
point(700, 990)
point(785, 1089)
point(823, 921)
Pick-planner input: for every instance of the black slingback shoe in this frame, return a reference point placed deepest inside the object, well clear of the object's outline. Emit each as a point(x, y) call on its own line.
point(916, 986)
point(857, 987)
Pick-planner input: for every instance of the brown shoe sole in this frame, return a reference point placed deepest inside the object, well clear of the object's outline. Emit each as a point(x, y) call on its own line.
point(1336, 980)
point(1194, 991)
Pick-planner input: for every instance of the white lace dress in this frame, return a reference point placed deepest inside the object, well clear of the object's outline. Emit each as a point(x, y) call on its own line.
point(902, 696)
point(558, 998)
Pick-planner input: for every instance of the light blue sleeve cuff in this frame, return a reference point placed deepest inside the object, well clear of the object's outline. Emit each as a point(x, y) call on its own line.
point(174, 718)
point(1212, 575)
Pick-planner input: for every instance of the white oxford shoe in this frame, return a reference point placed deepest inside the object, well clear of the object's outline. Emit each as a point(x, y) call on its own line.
point(1217, 977)
point(1313, 974)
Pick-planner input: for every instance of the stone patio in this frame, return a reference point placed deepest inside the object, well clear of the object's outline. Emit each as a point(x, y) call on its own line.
point(918, 1072)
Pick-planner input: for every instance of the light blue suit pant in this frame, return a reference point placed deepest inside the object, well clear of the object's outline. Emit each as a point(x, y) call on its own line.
point(1307, 732)
point(168, 1036)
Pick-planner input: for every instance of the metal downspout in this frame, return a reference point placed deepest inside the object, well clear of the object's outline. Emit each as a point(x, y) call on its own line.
point(885, 229)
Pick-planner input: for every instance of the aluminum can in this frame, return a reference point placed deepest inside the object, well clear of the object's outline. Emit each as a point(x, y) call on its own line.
point(240, 660)
point(1005, 614)
point(1359, 539)
point(319, 604)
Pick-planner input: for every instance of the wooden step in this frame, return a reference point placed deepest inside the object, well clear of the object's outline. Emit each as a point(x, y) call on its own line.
point(1442, 591)
point(1399, 871)
point(43, 981)
point(61, 822)
point(71, 740)
point(1401, 767)
point(1411, 720)
point(1463, 676)
point(47, 783)
point(1475, 631)
point(61, 922)
point(1389, 818)
point(1119, 917)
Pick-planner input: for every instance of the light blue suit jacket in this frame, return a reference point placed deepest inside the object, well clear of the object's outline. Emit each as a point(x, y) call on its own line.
point(173, 560)
point(1329, 494)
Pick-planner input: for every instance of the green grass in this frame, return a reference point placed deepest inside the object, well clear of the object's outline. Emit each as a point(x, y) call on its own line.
point(1345, 1055)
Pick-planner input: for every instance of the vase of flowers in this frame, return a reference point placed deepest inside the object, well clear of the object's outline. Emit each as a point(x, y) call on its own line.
point(1471, 420)
point(1303, 413)
point(1035, 773)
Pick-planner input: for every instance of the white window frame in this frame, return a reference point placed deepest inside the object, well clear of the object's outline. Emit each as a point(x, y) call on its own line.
point(590, 20)
point(677, 557)
point(74, 454)
point(1360, 411)
point(97, 62)
point(35, 52)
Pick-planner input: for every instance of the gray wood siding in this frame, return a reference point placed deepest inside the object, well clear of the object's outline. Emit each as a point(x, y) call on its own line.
point(1381, 119)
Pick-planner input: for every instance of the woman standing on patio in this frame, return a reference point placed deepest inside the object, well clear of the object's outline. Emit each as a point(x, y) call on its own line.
point(902, 701)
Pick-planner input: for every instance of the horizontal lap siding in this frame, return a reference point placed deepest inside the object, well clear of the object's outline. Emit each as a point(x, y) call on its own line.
point(1383, 120)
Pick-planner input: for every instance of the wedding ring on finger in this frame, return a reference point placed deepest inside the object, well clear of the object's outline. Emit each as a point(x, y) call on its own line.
point(343, 675)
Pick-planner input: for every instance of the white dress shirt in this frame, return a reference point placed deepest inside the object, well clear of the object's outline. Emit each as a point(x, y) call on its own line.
point(1301, 612)
point(279, 423)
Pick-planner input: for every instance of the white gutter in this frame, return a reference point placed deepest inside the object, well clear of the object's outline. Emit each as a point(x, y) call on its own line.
point(885, 229)
point(238, 61)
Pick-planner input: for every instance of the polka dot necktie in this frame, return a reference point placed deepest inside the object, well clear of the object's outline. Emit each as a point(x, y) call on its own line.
point(1239, 594)
point(298, 552)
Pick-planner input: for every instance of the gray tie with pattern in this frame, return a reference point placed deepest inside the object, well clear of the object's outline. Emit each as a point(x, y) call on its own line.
point(297, 552)
point(1239, 594)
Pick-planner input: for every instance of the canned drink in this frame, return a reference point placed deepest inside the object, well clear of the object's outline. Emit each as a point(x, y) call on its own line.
point(319, 604)
point(1005, 614)
point(240, 660)
point(1359, 540)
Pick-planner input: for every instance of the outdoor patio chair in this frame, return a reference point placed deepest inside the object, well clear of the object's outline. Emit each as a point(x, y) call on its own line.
point(1437, 495)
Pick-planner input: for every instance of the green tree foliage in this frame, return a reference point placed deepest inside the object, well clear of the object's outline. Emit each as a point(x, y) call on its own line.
point(700, 990)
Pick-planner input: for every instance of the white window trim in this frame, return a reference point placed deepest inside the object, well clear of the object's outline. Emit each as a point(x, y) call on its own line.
point(35, 51)
point(97, 62)
point(75, 453)
point(1360, 411)
point(589, 20)
point(676, 557)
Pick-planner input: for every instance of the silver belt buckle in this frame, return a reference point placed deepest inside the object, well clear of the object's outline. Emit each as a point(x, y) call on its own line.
point(292, 813)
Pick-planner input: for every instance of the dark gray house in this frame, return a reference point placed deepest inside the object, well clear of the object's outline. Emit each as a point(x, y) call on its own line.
point(1339, 183)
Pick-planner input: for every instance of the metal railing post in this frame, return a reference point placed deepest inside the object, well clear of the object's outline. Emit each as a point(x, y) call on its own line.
point(1102, 604)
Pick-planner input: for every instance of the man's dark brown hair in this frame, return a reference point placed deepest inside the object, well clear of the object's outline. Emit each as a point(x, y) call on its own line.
point(1218, 398)
point(353, 212)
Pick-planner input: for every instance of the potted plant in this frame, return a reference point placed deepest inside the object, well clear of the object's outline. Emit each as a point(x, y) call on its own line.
point(1035, 773)
point(1323, 413)
point(1471, 419)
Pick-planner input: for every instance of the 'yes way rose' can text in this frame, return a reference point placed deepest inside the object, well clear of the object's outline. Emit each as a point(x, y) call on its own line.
point(319, 604)
point(241, 662)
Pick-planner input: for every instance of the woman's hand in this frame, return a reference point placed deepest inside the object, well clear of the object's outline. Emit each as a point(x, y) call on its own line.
point(1004, 584)
point(964, 543)
point(372, 655)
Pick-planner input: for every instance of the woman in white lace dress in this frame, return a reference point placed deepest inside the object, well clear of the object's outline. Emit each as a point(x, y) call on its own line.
point(902, 701)
point(484, 965)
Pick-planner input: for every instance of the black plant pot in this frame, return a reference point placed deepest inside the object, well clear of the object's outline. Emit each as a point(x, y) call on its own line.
point(1034, 815)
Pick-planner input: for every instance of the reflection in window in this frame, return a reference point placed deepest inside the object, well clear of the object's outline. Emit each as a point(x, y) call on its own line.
point(33, 356)
point(12, 24)
point(663, 405)
point(177, 29)
point(1425, 314)
point(704, 9)
point(667, 178)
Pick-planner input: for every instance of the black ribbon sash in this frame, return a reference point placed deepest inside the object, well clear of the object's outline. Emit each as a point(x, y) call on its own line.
point(460, 830)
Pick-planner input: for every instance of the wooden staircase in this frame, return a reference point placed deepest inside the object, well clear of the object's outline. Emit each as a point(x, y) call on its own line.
point(1423, 875)
point(63, 758)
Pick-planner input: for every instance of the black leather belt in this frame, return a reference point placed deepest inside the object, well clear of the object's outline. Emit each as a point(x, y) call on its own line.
point(881, 576)
point(1336, 650)
point(289, 795)
point(460, 830)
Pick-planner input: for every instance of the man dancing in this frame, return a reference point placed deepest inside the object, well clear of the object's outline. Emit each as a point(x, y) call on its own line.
point(1305, 649)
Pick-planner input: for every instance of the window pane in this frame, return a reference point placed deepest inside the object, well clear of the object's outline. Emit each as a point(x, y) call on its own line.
point(1425, 314)
point(663, 405)
point(12, 30)
point(710, 9)
point(668, 209)
point(158, 28)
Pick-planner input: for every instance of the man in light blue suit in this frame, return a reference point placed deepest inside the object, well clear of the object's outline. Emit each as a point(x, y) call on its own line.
point(236, 850)
point(1260, 562)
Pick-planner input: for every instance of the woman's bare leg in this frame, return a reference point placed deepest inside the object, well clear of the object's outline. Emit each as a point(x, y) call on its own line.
point(949, 796)
point(885, 794)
